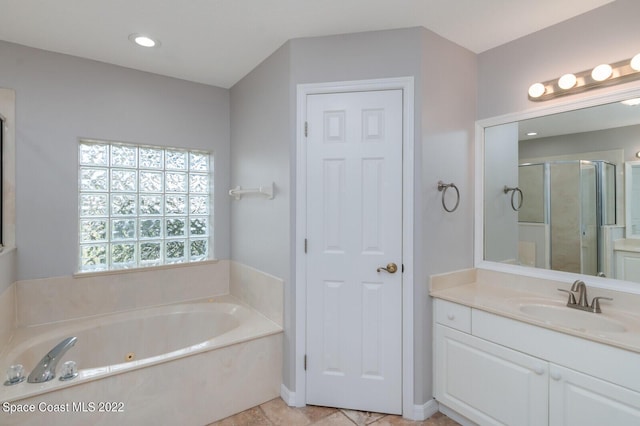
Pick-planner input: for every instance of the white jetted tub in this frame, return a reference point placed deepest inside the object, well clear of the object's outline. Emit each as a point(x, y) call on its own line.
point(187, 364)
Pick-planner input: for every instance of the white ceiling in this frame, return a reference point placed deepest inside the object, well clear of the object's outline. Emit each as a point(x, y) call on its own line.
point(217, 42)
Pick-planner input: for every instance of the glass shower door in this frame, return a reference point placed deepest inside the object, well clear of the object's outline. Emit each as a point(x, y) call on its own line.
point(588, 218)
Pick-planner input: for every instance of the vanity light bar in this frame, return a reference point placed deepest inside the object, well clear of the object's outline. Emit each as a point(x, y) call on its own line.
point(600, 76)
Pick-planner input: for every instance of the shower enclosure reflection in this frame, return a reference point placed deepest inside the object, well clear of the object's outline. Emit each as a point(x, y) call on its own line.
point(566, 204)
point(580, 176)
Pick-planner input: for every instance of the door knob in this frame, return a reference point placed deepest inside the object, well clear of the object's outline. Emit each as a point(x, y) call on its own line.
point(391, 268)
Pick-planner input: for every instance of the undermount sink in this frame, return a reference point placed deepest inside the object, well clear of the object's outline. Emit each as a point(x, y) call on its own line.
point(563, 316)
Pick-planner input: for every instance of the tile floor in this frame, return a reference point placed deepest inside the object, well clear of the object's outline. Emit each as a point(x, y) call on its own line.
point(277, 413)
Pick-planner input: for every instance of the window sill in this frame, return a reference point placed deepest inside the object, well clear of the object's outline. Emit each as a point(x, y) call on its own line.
point(143, 269)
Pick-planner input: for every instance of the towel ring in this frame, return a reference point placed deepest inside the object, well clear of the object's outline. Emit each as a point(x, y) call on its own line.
point(442, 187)
point(513, 193)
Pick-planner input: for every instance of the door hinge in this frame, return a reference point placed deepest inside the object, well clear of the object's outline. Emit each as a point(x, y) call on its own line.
point(305, 245)
point(305, 363)
point(306, 129)
point(403, 268)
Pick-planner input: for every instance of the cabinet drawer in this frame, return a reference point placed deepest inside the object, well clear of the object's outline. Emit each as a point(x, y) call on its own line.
point(453, 315)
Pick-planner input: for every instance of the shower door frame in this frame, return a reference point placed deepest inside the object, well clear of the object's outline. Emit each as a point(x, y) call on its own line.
point(599, 170)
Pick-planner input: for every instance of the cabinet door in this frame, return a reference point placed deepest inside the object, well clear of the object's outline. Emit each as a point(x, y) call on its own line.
point(578, 399)
point(627, 265)
point(487, 383)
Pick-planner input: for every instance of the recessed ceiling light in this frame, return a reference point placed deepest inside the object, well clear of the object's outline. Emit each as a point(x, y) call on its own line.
point(532, 134)
point(631, 102)
point(143, 40)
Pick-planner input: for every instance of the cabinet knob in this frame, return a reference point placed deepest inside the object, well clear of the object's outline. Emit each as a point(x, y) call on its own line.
point(556, 375)
point(451, 316)
point(539, 370)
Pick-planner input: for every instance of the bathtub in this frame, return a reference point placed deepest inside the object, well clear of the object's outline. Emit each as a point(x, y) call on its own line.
point(184, 364)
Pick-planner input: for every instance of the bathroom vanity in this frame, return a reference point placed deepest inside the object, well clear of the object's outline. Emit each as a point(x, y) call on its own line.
point(507, 350)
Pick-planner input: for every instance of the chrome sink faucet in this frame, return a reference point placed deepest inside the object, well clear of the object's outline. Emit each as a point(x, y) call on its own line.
point(582, 302)
point(46, 368)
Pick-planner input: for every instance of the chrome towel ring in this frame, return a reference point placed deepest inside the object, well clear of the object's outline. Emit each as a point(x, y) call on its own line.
point(513, 194)
point(442, 187)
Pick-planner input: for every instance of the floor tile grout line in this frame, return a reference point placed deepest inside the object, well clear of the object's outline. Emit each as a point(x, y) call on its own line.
point(266, 416)
point(329, 415)
point(347, 417)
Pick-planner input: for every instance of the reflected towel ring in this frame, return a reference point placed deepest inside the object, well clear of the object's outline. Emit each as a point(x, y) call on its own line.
point(519, 191)
point(442, 187)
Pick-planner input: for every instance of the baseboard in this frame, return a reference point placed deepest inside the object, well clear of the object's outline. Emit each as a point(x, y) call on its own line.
point(426, 410)
point(287, 396)
point(455, 416)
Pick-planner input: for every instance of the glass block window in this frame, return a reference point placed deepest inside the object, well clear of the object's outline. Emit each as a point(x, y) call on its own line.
point(142, 206)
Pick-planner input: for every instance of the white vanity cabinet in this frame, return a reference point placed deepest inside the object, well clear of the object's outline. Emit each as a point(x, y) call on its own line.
point(580, 399)
point(627, 264)
point(488, 383)
point(504, 372)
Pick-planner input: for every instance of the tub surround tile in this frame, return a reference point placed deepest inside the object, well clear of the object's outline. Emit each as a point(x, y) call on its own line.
point(7, 268)
point(7, 315)
point(198, 389)
point(262, 291)
point(62, 298)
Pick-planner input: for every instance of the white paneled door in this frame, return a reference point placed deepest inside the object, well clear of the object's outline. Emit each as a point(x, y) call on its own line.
point(354, 229)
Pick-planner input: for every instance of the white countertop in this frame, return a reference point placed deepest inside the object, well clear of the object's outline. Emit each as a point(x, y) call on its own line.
point(632, 245)
point(505, 294)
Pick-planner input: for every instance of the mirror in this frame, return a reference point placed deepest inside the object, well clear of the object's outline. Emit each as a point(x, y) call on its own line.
point(554, 192)
point(632, 193)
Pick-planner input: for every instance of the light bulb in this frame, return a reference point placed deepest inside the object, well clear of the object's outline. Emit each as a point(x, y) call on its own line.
point(635, 62)
point(536, 90)
point(601, 72)
point(567, 81)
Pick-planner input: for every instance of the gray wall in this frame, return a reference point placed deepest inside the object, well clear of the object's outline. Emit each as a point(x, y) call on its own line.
point(60, 98)
point(606, 34)
point(260, 155)
point(444, 114)
point(444, 241)
point(260, 228)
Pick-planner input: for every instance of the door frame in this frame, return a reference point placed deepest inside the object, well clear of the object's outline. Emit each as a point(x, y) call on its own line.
point(406, 84)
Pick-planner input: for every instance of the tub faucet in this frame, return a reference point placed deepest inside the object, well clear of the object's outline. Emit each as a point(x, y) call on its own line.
point(46, 368)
